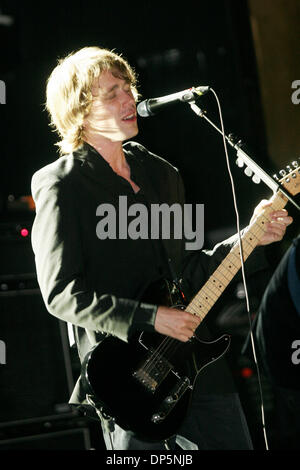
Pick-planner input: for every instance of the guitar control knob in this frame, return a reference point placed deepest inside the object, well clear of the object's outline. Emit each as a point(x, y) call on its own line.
point(172, 398)
point(157, 417)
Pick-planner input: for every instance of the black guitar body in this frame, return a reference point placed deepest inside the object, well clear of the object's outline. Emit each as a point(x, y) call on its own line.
point(146, 384)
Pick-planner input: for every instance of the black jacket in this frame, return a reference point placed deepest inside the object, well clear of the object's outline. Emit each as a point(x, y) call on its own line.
point(277, 325)
point(95, 284)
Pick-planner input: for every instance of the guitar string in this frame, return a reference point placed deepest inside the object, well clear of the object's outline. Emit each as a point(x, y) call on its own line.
point(214, 290)
point(241, 256)
point(168, 343)
point(164, 346)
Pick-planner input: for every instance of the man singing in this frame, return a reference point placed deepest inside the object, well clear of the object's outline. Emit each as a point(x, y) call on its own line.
point(96, 284)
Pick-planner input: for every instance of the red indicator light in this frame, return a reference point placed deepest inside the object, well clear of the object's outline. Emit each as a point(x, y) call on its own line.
point(24, 232)
point(246, 372)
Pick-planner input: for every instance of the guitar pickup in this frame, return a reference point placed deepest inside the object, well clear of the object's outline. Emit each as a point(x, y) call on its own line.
point(152, 372)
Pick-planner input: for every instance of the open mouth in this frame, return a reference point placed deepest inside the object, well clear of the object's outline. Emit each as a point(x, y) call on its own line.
point(130, 117)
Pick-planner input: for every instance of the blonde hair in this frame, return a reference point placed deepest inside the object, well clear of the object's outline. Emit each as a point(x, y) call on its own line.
point(69, 94)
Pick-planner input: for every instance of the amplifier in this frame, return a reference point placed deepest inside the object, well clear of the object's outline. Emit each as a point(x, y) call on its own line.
point(36, 369)
point(16, 252)
point(47, 433)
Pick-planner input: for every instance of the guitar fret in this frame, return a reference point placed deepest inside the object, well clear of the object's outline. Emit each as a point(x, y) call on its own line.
point(149, 383)
point(225, 273)
point(237, 257)
point(201, 304)
point(217, 285)
point(253, 234)
point(259, 233)
point(208, 296)
point(219, 276)
point(250, 240)
point(219, 280)
point(201, 310)
point(194, 309)
point(231, 265)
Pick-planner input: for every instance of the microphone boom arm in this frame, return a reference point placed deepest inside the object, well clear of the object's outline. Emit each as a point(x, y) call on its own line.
point(242, 155)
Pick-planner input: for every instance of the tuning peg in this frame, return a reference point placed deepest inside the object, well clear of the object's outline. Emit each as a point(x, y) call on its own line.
point(289, 168)
point(275, 177)
point(239, 162)
point(295, 164)
point(256, 179)
point(282, 172)
point(248, 171)
point(235, 140)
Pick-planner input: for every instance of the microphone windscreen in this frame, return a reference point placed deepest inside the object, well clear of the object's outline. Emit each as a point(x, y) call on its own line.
point(142, 109)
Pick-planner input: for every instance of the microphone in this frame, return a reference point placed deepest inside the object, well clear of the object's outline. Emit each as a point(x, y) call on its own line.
point(154, 105)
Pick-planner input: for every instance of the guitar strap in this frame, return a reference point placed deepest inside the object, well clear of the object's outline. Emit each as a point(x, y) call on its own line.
point(176, 280)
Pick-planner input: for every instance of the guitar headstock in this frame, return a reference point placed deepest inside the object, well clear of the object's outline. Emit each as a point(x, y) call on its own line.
point(290, 177)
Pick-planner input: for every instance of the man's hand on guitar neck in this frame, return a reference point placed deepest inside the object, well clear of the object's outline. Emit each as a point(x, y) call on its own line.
point(180, 324)
point(277, 227)
point(176, 323)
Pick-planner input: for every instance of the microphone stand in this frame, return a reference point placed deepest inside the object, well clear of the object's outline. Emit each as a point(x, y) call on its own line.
point(243, 159)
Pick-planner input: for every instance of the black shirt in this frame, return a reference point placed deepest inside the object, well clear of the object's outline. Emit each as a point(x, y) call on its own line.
point(94, 284)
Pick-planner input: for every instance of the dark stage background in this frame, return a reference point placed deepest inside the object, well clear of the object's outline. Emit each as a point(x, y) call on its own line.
point(225, 44)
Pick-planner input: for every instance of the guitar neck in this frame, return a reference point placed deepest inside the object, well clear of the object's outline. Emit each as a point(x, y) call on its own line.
point(219, 280)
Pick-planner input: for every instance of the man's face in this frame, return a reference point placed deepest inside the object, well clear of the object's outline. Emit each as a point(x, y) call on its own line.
point(113, 110)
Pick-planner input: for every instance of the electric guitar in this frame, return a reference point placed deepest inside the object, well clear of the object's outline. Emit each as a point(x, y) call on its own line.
point(146, 385)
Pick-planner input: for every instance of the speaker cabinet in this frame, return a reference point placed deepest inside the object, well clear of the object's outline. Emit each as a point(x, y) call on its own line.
point(35, 367)
point(67, 439)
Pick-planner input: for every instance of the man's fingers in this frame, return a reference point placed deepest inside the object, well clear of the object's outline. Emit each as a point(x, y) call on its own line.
point(176, 323)
point(286, 220)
